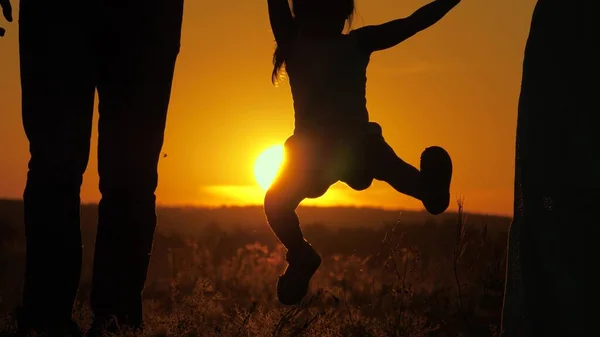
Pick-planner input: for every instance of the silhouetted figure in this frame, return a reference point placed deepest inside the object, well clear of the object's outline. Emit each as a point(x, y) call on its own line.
point(6, 12)
point(557, 187)
point(126, 49)
point(333, 138)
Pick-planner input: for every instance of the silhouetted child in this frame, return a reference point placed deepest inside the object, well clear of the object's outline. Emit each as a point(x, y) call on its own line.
point(333, 139)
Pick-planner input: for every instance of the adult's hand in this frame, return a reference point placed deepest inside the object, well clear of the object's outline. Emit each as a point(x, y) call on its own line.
point(7, 12)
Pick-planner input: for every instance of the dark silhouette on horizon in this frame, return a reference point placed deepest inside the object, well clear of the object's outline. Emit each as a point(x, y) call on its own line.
point(333, 138)
point(127, 50)
point(556, 178)
point(6, 12)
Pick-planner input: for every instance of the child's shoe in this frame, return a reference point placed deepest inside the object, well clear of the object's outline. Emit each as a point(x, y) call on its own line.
point(436, 174)
point(292, 286)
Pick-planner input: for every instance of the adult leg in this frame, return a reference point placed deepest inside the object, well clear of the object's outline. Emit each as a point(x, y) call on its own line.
point(137, 59)
point(551, 247)
point(57, 80)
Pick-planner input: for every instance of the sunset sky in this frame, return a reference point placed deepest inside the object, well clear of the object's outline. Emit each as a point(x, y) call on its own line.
point(454, 85)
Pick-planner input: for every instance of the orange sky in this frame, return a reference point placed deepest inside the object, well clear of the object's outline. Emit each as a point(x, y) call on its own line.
point(455, 85)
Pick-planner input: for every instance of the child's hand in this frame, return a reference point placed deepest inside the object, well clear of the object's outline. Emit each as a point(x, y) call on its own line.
point(7, 12)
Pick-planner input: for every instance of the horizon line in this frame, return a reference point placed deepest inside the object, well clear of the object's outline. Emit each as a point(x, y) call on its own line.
point(250, 205)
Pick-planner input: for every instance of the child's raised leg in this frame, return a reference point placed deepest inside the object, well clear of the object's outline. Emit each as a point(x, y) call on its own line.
point(402, 176)
point(431, 184)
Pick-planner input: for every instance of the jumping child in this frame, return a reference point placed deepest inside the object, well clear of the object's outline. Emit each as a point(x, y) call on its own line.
point(333, 138)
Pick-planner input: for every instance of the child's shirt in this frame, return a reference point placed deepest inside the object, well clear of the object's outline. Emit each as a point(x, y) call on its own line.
point(328, 83)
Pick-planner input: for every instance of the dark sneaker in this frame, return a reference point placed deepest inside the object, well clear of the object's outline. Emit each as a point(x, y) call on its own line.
point(27, 327)
point(292, 286)
point(436, 174)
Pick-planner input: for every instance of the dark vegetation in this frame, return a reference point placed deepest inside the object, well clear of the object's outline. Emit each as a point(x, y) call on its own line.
point(384, 273)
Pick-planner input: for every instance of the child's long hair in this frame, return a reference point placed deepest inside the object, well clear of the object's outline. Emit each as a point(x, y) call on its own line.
point(303, 9)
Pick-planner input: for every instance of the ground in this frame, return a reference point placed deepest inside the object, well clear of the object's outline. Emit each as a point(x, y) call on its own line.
point(434, 277)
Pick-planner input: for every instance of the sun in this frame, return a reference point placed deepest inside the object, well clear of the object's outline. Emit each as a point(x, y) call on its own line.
point(267, 166)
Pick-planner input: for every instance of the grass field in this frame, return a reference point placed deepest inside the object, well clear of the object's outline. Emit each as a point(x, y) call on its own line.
point(396, 275)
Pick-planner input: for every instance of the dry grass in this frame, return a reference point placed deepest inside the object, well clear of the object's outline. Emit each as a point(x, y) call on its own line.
point(403, 280)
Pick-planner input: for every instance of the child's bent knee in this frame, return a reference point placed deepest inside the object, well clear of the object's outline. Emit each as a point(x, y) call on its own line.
point(317, 190)
point(359, 183)
point(276, 203)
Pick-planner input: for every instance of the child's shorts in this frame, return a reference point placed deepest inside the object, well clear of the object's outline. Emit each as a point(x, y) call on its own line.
point(315, 162)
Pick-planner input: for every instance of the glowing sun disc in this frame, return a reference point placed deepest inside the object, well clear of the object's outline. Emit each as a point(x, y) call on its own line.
point(267, 166)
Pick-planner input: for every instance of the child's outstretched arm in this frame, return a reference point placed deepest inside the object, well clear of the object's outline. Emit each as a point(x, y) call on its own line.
point(281, 18)
point(390, 34)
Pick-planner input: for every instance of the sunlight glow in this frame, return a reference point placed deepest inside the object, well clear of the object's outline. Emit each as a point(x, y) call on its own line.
point(267, 166)
point(379, 195)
